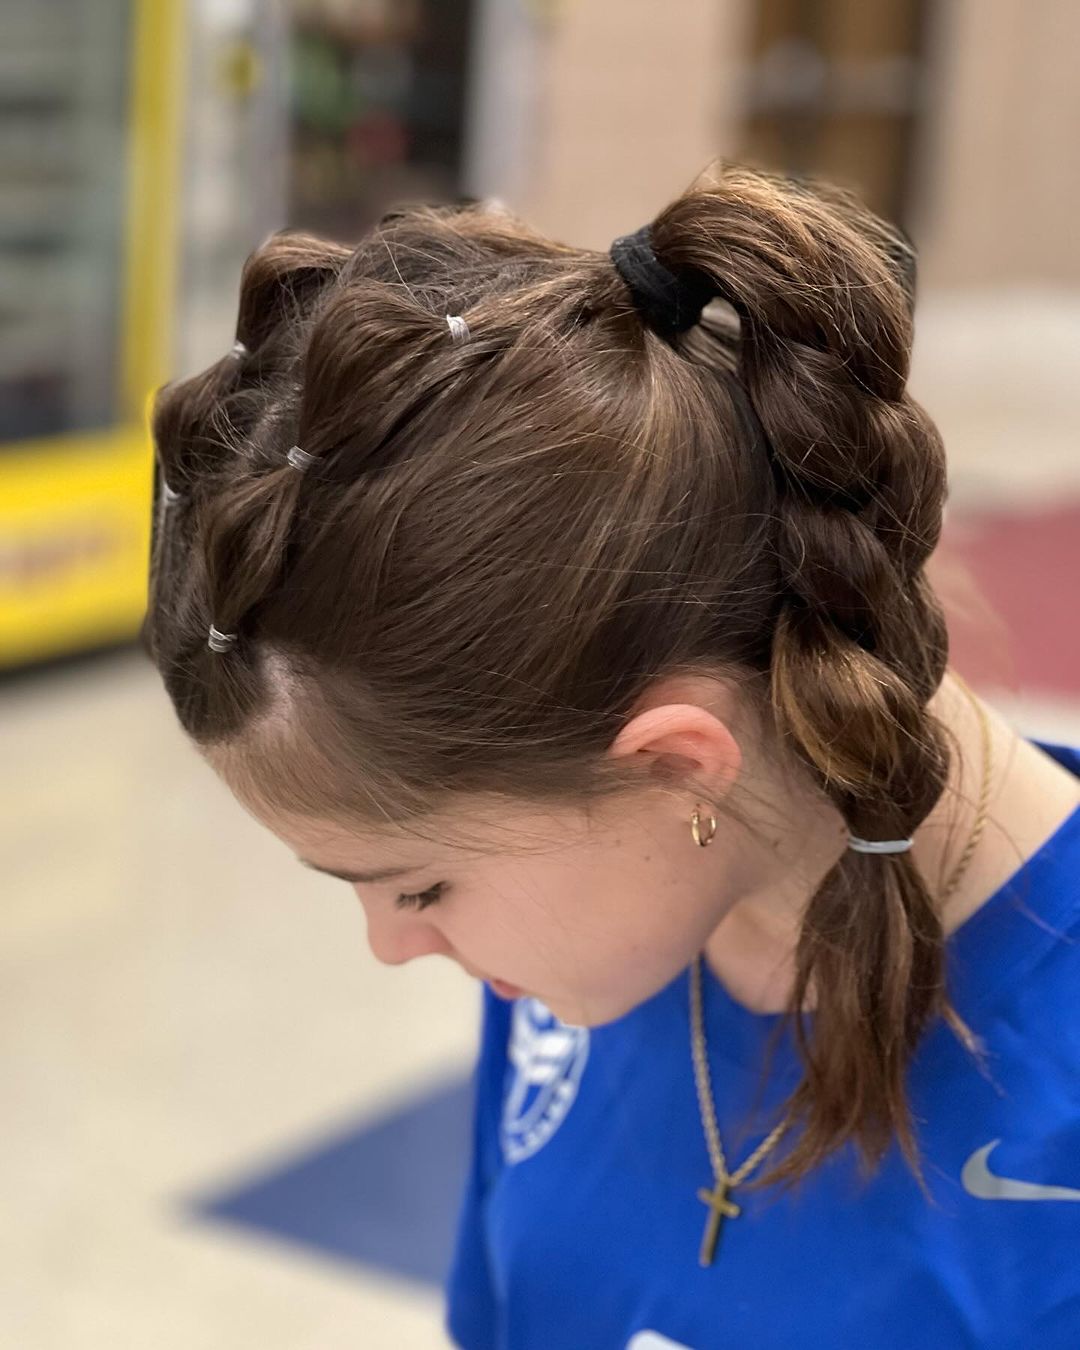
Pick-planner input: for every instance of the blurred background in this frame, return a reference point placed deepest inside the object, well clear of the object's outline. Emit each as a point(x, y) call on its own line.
point(224, 1124)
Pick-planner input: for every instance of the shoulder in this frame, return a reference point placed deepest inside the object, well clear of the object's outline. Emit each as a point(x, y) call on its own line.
point(1068, 756)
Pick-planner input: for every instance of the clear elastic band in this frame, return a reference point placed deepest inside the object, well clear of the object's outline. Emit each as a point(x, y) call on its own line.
point(238, 349)
point(169, 494)
point(218, 641)
point(879, 845)
point(300, 459)
point(459, 329)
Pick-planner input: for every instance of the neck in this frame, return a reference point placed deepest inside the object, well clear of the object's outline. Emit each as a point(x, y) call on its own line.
point(751, 950)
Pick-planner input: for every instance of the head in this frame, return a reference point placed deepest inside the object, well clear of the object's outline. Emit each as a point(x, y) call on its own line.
point(551, 581)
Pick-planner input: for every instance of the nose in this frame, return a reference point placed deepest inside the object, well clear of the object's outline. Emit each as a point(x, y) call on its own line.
point(393, 943)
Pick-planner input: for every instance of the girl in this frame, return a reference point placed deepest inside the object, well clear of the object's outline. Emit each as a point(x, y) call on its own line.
point(573, 606)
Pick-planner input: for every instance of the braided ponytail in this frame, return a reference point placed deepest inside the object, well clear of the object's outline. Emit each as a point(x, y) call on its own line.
point(240, 443)
point(227, 493)
point(823, 293)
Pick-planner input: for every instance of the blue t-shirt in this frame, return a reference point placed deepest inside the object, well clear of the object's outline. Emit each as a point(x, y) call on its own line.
point(580, 1226)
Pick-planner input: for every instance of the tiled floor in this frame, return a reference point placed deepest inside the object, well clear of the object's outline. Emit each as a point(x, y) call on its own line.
point(183, 1006)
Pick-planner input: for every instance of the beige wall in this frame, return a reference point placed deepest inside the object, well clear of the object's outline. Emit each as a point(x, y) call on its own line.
point(1001, 186)
point(636, 99)
point(633, 97)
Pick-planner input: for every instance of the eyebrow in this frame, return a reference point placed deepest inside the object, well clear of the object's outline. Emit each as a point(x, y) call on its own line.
point(368, 878)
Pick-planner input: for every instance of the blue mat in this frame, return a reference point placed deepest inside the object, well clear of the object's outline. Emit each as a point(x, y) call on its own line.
point(383, 1193)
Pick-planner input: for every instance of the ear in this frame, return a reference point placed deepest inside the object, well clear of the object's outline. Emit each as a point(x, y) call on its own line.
point(683, 739)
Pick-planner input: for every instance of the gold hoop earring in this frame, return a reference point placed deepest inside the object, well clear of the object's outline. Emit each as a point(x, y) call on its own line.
point(695, 827)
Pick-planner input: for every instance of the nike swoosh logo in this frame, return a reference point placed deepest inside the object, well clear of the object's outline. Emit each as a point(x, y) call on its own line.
point(978, 1180)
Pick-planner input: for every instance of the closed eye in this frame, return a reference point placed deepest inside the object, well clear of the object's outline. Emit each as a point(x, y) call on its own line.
point(421, 899)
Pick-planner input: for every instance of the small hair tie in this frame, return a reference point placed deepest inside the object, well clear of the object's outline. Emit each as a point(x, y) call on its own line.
point(879, 845)
point(300, 459)
point(169, 494)
point(668, 302)
point(218, 641)
point(459, 329)
point(238, 349)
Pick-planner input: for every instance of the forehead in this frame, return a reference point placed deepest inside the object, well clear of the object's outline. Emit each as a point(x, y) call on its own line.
point(478, 828)
point(336, 846)
point(358, 853)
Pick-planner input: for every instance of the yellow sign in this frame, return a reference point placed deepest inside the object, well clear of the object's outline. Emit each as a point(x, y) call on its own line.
point(75, 509)
point(74, 545)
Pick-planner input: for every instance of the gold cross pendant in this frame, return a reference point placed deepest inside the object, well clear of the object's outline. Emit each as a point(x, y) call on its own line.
point(720, 1207)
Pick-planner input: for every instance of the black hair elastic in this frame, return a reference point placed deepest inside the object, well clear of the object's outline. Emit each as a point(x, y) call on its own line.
point(668, 303)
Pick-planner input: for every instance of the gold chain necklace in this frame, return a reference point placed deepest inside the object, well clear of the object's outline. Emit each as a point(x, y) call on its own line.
point(720, 1207)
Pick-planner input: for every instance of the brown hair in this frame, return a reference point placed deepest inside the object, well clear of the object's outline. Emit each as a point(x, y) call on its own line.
point(503, 542)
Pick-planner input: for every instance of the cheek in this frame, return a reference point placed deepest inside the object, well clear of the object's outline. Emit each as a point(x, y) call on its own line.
point(621, 917)
point(656, 920)
point(525, 934)
point(484, 930)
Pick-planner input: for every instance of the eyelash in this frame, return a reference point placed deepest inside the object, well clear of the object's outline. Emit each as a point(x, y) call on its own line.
point(421, 899)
